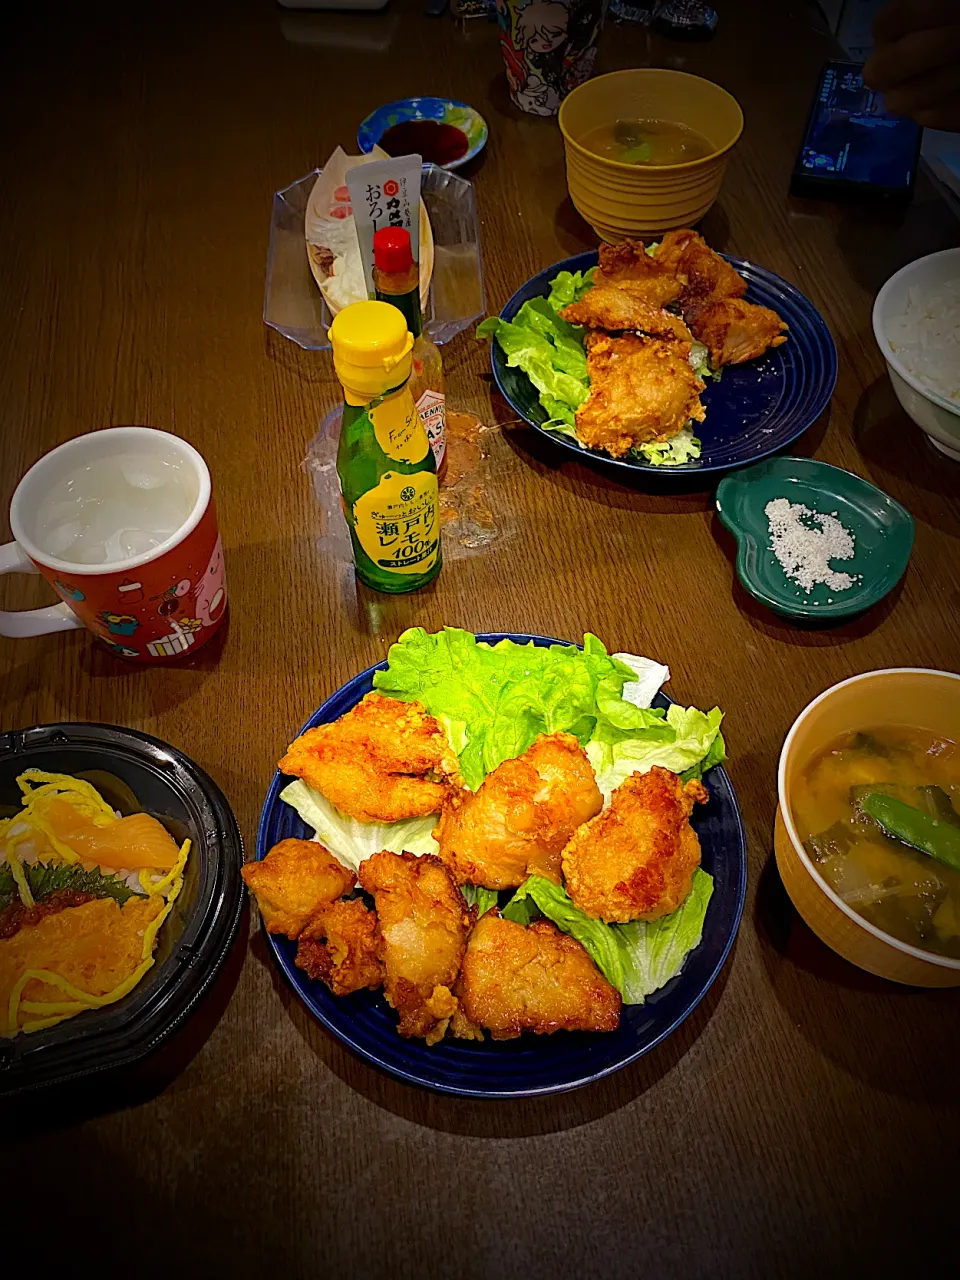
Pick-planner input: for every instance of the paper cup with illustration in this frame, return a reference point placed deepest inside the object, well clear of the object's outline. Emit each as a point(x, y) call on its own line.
point(121, 523)
point(549, 47)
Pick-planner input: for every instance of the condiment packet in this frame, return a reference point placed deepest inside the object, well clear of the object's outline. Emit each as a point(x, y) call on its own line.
point(331, 233)
point(385, 194)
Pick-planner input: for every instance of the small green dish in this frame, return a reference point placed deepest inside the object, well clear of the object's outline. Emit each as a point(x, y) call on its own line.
point(882, 530)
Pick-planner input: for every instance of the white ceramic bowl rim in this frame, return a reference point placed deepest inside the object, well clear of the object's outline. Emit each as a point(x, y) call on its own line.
point(922, 388)
point(652, 168)
point(946, 962)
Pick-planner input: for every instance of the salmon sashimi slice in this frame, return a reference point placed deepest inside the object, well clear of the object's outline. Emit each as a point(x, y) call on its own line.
point(129, 843)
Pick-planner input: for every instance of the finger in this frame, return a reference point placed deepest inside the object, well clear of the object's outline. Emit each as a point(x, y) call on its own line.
point(914, 55)
point(924, 92)
point(900, 17)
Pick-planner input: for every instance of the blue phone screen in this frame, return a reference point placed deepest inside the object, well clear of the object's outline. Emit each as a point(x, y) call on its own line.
point(851, 137)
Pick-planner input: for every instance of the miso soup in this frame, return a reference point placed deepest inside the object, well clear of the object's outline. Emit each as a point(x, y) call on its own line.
point(907, 893)
point(653, 142)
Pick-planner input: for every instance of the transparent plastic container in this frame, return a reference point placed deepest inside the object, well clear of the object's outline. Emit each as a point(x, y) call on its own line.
point(294, 306)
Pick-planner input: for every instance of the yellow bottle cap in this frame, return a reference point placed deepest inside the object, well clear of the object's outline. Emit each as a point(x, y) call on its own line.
point(371, 347)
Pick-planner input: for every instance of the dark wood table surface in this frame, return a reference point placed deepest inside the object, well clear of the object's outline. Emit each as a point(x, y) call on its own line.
point(805, 1116)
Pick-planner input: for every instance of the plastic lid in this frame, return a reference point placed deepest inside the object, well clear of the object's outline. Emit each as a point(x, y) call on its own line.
point(391, 249)
point(371, 347)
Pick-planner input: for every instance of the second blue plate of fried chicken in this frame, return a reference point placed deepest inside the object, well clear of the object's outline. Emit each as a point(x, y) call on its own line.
point(643, 318)
point(507, 886)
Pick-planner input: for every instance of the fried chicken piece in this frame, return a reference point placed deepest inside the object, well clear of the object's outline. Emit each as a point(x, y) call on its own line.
point(521, 817)
point(735, 330)
point(424, 922)
point(382, 762)
point(341, 946)
point(636, 860)
point(538, 979)
point(607, 307)
point(292, 883)
point(704, 275)
point(629, 267)
point(640, 389)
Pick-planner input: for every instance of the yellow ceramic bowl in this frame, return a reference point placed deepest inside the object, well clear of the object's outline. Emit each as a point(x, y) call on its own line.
point(904, 697)
point(642, 201)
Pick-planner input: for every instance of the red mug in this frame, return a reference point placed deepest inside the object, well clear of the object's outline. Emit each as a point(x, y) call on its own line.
point(149, 607)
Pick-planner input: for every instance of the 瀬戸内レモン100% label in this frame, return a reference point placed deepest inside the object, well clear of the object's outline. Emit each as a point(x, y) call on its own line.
point(397, 522)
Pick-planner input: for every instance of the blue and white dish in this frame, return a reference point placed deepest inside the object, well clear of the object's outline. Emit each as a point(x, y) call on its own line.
point(444, 110)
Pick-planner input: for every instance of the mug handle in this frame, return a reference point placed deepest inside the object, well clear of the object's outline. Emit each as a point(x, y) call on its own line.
point(31, 622)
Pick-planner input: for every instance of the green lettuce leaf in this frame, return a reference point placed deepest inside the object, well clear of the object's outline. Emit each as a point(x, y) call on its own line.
point(506, 694)
point(681, 448)
point(531, 350)
point(482, 899)
point(569, 286)
point(683, 740)
point(352, 842)
point(638, 958)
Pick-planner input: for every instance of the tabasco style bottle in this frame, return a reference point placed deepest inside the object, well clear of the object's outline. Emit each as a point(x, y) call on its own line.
point(396, 279)
point(388, 476)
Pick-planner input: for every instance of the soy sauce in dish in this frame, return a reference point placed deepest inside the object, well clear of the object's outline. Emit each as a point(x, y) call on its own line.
point(437, 143)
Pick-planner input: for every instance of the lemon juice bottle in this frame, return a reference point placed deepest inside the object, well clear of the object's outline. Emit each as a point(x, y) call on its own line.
point(387, 471)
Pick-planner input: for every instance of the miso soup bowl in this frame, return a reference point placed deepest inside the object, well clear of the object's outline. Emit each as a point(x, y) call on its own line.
point(901, 697)
point(622, 201)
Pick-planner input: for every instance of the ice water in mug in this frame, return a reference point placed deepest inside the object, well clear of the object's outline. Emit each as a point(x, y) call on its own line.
point(115, 509)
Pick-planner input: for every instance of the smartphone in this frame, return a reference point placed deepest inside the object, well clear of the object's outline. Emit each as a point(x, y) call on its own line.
point(851, 146)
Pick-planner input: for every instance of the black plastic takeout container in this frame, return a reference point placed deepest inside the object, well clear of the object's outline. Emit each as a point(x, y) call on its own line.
point(134, 772)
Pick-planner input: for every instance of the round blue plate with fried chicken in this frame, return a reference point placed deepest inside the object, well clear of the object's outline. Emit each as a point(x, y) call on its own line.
point(776, 359)
point(406, 908)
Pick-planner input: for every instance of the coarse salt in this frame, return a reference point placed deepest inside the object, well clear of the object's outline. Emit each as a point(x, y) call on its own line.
point(804, 542)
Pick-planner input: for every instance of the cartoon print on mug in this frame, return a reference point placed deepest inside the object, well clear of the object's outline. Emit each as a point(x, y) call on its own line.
point(119, 624)
point(130, 592)
point(69, 592)
point(122, 650)
point(211, 589)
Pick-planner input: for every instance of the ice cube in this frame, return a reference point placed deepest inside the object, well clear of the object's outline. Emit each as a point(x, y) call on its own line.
point(59, 538)
point(145, 473)
point(137, 542)
point(112, 549)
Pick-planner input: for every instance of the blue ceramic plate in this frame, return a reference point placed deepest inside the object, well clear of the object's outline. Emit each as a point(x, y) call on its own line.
point(754, 410)
point(531, 1064)
point(444, 110)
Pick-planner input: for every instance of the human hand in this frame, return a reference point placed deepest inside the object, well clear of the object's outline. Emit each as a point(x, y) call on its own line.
point(916, 63)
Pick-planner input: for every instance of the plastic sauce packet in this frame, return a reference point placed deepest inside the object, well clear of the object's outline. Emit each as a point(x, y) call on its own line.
point(385, 193)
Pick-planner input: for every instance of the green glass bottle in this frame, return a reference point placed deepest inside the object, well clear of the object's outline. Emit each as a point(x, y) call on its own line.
point(387, 471)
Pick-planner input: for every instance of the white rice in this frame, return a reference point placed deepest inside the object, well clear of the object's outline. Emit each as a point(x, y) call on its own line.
point(925, 338)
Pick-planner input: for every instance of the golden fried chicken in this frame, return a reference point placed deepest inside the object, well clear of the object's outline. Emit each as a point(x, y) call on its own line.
point(735, 330)
point(629, 267)
point(424, 922)
point(636, 860)
point(641, 389)
point(703, 274)
point(341, 946)
point(538, 979)
point(521, 817)
point(383, 761)
point(609, 307)
point(292, 883)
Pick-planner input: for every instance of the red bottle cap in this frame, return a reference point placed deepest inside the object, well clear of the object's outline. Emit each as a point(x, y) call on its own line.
point(391, 249)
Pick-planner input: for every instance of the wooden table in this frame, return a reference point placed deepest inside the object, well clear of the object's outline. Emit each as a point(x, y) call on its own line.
point(802, 1118)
